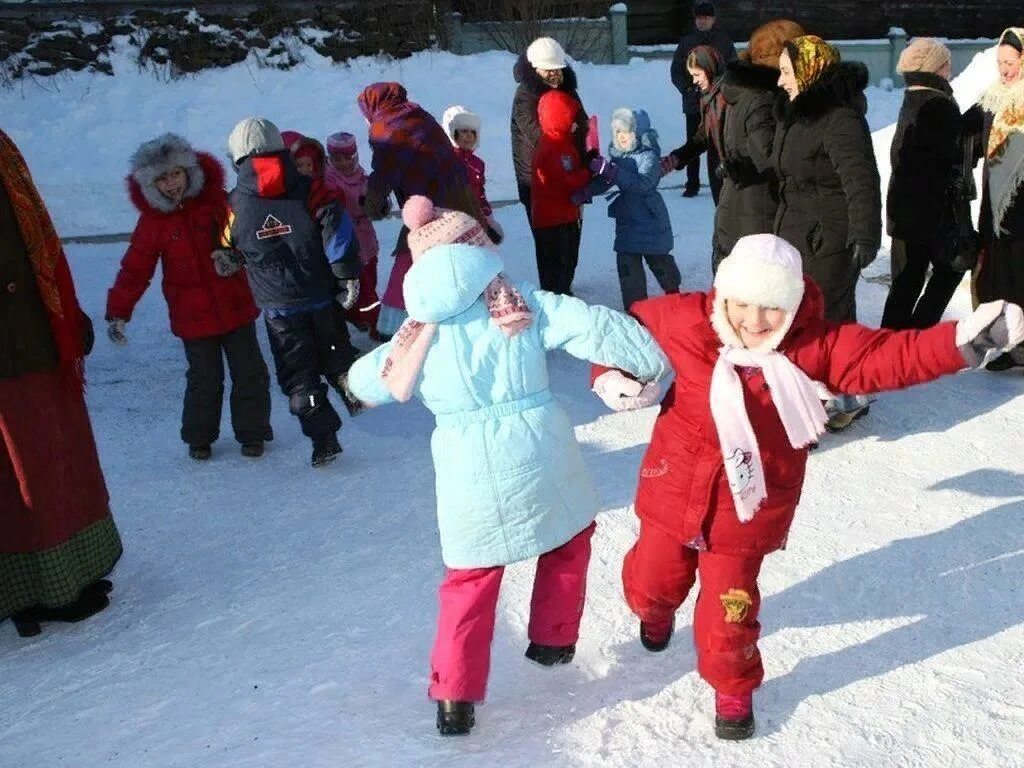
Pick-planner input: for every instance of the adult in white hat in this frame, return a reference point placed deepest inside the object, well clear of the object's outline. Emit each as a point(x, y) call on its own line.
point(542, 68)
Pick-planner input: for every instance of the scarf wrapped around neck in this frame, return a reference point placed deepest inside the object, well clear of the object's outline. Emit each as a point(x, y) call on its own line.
point(49, 264)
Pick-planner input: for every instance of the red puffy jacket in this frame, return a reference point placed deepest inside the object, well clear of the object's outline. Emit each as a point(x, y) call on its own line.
point(557, 166)
point(199, 301)
point(683, 490)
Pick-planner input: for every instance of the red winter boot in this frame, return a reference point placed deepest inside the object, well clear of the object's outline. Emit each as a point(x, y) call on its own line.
point(734, 716)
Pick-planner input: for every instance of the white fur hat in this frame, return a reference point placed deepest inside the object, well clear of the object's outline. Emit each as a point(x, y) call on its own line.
point(155, 158)
point(458, 118)
point(546, 53)
point(764, 270)
point(254, 136)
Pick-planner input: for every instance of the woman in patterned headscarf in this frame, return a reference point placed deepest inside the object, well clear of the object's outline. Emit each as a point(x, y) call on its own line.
point(1001, 271)
point(830, 204)
point(57, 539)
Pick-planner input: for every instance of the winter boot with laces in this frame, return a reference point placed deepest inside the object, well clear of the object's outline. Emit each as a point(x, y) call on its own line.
point(455, 718)
point(655, 636)
point(734, 716)
point(325, 450)
point(550, 655)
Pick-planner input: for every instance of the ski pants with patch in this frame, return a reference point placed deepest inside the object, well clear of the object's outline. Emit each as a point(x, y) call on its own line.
point(657, 575)
point(461, 658)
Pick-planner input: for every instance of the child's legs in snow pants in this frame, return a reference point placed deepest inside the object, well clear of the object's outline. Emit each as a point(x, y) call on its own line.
point(461, 658)
point(633, 280)
point(657, 575)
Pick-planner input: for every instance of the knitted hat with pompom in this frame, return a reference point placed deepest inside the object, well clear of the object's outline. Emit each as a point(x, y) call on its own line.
point(430, 226)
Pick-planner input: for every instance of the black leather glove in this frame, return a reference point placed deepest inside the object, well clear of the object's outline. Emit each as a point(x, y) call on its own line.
point(590, 155)
point(88, 334)
point(973, 121)
point(863, 254)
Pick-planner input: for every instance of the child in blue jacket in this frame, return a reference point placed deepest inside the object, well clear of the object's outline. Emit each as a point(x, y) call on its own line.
point(642, 227)
point(510, 480)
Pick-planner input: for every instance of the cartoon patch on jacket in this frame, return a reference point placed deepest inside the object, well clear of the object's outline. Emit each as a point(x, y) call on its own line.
point(739, 470)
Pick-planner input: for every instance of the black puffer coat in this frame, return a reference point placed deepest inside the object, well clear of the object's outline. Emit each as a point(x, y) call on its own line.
point(829, 195)
point(926, 154)
point(525, 127)
point(749, 197)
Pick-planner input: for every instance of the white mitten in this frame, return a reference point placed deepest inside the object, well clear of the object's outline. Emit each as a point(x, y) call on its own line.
point(996, 325)
point(618, 391)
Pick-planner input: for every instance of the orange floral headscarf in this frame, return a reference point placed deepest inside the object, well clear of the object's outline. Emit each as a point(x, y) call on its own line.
point(811, 57)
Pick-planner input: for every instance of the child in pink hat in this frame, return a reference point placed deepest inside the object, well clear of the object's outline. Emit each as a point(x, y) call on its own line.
point(510, 480)
point(345, 173)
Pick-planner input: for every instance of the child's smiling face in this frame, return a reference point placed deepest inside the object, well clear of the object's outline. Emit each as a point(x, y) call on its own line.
point(172, 184)
point(753, 324)
point(625, 140)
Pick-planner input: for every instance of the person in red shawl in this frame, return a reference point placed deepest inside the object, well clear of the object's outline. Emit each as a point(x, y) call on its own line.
point(411, 156)
point(57, 538)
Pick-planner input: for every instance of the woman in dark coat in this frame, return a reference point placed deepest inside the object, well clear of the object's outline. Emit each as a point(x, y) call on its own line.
point(926, 156)
point(1001, 271)
point(830, 205)
point(57, 539)
point(749, 195)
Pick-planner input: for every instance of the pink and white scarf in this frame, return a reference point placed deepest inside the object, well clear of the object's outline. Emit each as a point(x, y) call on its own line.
point(797, 399)
point(507, 308)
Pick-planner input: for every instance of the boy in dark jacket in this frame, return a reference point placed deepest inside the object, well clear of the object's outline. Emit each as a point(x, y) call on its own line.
point(559, 181)
point(300, 252)
point(183, 208)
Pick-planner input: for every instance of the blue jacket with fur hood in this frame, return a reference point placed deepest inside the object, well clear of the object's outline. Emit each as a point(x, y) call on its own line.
point(510, 480)
point(642, 223)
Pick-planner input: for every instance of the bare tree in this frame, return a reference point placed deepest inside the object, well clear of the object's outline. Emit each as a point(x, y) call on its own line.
point(513, 24)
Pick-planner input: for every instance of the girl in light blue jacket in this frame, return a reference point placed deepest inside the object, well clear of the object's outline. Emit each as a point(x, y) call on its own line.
point(510, 480)
point(643, 231)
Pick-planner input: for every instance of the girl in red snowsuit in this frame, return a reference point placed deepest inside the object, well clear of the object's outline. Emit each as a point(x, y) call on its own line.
point(723, 474)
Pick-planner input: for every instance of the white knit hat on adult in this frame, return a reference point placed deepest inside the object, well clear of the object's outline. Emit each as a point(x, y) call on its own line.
point(764, 270)
point(254, 136)
point(546, 53)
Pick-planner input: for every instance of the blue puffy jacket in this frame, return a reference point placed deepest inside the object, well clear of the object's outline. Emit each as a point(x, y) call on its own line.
point(510, 479)
point(642, 223)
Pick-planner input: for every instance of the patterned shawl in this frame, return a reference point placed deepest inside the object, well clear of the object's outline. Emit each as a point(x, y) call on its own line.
point(1004, 154)
point(811, 57)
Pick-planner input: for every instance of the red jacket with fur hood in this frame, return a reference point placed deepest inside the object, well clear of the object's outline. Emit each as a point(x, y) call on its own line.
point(182, 238)
point(683, 489)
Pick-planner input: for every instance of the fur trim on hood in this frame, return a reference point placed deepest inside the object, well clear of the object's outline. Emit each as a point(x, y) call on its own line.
point(842, 85)
point(458, 118)
point(742, 75)
point(155, 158)
point(208, 168)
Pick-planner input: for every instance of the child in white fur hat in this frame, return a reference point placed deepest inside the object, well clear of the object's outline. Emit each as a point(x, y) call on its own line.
point(725, 467)
point(463, 128)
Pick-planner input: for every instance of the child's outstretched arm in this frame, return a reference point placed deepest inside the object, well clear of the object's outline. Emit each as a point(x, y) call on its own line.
point(644, 179)
point(858, 360)
point(364, 377)
point(598, 334)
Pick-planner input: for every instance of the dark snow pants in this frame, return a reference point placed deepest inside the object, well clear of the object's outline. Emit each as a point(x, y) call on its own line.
point(657, 576)
point(633, 279)
point(307, 347)
point(906, 306)
point(204, 388)
point(558, 253)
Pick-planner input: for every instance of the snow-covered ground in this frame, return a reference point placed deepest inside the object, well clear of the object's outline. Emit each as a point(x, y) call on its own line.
point(267, 614)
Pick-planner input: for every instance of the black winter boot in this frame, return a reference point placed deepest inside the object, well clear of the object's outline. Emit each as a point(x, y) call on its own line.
point(252, 450)
point(200, 452)
point(455, 718)
point(325, 450)
point(550, 655)
point(656, 639)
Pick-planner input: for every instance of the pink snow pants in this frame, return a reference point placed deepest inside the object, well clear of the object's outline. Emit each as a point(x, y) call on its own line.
point(461, 658)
